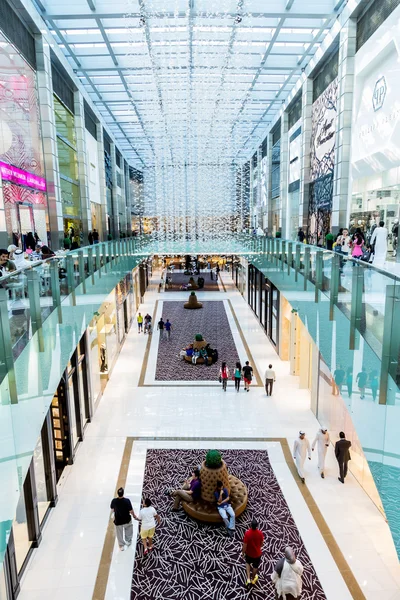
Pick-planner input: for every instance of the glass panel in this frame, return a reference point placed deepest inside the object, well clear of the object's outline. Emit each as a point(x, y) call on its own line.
point(70, 198)
point(20, 531)
point(67, 160)
point(65, 122)
point(40, 478)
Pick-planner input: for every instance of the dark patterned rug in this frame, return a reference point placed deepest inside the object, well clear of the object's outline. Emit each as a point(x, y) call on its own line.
point(211, 321)
point(196, 561)
point(210, 285)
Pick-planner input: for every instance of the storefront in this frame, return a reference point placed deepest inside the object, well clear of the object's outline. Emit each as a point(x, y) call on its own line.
point(264, 299)
point(22, 175)
point(375, 132)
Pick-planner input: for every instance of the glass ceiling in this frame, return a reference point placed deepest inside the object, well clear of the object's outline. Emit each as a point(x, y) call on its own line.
point(189, 87)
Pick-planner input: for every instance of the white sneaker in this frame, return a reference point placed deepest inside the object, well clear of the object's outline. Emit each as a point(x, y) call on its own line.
point(122, 548)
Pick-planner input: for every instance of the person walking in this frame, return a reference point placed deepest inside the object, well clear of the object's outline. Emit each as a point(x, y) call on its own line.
point(301, 235)
point(123, 513)
point(287, 576)
point(238, 376)
point(168, 329)
point(322, 441)
point(224, 507)
point(147, 323)
point(374, 383)
point(148, 517)
point(160, 326)
point(139, 322)
point(342, 453)
point(252, 551)
point(247, 376)
point(300, 449)
point(361, 379)
point(357, 246)
point(269, 378)
point(224, 375)
point(379, 242)
point(95, 236)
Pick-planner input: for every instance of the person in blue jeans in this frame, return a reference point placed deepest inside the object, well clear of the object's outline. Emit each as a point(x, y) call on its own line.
point(168, 329)
point(225, 509)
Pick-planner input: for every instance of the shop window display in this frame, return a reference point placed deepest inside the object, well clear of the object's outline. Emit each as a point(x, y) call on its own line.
point(40, 479)
point(107, 334)
point(25, 198)
point(20, 531)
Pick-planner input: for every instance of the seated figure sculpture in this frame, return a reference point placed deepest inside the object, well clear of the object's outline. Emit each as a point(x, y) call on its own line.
point(192, 302)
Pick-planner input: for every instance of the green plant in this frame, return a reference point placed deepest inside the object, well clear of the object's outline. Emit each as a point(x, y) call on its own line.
point(192, 294)
point(198, 337)
point(213, 459)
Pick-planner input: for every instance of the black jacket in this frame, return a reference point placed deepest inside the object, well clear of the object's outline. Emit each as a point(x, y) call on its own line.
point(342, 450)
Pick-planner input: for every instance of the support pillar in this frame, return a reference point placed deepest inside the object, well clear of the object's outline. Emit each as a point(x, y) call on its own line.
point(306, 129)
point(47, 116)
point(341, 178)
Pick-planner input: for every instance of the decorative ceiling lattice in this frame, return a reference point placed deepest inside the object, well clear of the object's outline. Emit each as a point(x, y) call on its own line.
point(189, 87)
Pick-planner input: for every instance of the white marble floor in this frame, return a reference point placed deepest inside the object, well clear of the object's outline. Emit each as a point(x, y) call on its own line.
point(66, 563)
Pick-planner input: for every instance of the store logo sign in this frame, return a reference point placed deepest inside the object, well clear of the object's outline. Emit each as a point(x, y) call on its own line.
point(21, 177)
point(379, 95)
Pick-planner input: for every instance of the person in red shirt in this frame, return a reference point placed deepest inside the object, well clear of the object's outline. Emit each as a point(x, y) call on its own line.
point(252, 551)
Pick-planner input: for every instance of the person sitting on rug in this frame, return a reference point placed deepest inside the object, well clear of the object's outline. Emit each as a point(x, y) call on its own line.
point(188, 351)
point(287, 576)
point(195, 356)
point(204, 355)
point(224, 507)
point(190, 491)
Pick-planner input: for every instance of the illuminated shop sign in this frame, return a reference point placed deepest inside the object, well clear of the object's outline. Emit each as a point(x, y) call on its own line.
point(21, 177)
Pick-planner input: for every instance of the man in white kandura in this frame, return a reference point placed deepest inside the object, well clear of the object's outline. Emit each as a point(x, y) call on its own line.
point(379, 241)
point(300, 449)
point(322, 439)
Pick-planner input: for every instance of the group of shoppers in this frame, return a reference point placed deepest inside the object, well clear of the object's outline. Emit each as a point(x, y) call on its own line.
point(302, 448)
point(13, 258)
point(239, 373)
point(287, 573)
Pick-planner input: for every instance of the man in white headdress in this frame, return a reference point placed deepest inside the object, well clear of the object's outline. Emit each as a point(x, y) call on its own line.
point(322, 442)
point(300, 449)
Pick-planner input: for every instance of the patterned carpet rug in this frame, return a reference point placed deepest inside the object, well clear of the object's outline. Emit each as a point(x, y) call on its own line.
point(196, 561)
point(211, 321)
point(210, 285)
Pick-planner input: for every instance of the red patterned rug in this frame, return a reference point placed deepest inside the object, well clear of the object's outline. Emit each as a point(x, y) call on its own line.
point(196, 561)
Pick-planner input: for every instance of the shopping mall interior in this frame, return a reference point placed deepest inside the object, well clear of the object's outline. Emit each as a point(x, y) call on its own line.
point(199, 291)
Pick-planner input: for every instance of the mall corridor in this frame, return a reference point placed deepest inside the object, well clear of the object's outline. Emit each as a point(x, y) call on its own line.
point(199, 203)
point(344, 533)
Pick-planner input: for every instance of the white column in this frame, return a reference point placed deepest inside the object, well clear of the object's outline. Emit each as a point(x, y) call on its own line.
point(102, 180)
point(115, 208)
point(284, 166)
point(306, 128)
point(341, 178)
point(86, 214)
point(46, 106)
